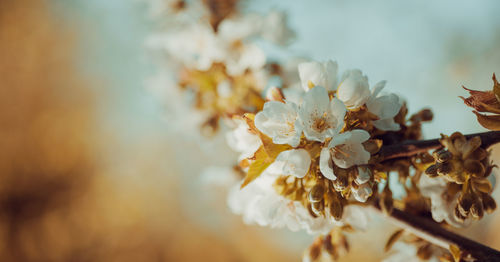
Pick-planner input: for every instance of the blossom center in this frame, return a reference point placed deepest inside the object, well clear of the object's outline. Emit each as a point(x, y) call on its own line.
point(321, 124)
point(342, 151)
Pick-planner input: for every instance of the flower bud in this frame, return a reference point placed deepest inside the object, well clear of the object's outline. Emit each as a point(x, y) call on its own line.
point(318, 207)
point(457, 215)
point(444, 168)
point(489, 203)
point(316, 193)
point(311, 211)
point(474, 167)
point(444, 156)
point(275, 94)
point(465, 202)
point(336, 209)
point(341, 182)
point(477, 210)
point(432, 171)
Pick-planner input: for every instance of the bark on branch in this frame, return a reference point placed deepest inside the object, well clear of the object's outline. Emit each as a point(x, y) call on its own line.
point(426, 228)
point(412, 147)
point(436, 234)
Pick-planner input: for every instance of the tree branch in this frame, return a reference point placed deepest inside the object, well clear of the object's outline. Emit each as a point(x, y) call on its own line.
point(426, 228)
point(412, 147)
point(434, 233)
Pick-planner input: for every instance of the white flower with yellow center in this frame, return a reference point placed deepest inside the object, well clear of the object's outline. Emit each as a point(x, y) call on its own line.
point(320, 117)
point(353, 90)
point(345, 150)
point(294, 162)
point(318, 74)
point(280, 122)
point(386, 107)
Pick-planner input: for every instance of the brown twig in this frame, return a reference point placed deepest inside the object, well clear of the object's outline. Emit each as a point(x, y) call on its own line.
point(434, 233)
point(426, 228)
point(413, 147)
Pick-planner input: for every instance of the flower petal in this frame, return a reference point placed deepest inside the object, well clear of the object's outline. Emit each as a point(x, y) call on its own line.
point(279, 121)
point(293, 162)
point(324, 164)
point(318, 74)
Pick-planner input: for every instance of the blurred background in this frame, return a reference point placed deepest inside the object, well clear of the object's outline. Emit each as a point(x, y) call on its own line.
point(91, 170)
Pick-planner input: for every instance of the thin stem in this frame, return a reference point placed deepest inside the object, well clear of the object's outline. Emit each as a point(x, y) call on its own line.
point(413, 147)
point(434, 233)
point(426, 228)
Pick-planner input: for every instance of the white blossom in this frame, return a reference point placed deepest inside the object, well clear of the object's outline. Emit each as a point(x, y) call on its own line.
point(293, 162)
point(241, 140)
point(364, 175)
point(386, 107)
point(320, 117)
point(346, 149)
point(275, 28)
point(362, 192)
point(441, 208)
point(353, 90)
point(402, 251)
point(280, 122)
point(318, 74)
point(259, 203)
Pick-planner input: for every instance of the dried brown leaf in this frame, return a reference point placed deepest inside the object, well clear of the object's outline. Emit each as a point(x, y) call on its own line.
point(491, 122)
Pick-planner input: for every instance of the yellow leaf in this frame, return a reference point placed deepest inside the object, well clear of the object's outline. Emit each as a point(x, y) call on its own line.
point(271, 149)
point(256, 168)
point(491, 122)
point(265, 155)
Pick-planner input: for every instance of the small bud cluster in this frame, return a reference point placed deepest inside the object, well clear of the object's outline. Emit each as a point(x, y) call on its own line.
point(331, 246)
point(465, 165)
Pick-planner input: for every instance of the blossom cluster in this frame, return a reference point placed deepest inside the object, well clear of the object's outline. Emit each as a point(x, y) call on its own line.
point(218, 63)
point(316, 150)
